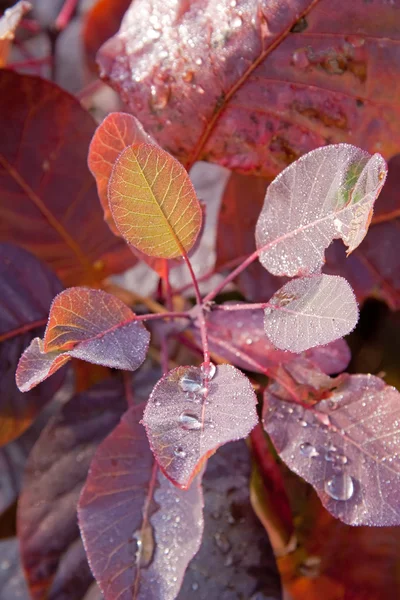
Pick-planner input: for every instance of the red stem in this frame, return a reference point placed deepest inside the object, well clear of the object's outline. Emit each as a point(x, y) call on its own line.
point(201, 316)
point(65, 14)
point(164, 315)
point(259, 306)
point(232, 276)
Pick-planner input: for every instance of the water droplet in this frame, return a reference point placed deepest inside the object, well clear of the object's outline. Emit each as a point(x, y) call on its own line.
point(187, 76)
point(189, 421)
point(303, 423)
point(308, 450)
point(300, 59)
point(199, 89)
point(159, 96)
point(208, 370)
point(222, 542)
point(338, 225)
point(198, 61)
point(340, 486)
point(166, 551)
point(154, 34)
point(195, 586)
point(179, 452)
point(249, 341)
point(330, 456)
point(191, 381)
point(232, 3)
point(145, 545)
point(236, 22)
point(264, 27)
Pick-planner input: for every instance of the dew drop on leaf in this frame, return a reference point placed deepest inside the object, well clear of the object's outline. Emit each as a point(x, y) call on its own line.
point(208, 370)
point(308, 450)
point(145, 545)
point(179, 452)
point(340, 486)
point(191, 381)
point(189, 421)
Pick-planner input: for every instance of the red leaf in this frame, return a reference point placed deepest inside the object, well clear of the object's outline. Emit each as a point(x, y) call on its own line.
point(87, 324)
point(255, 85)
point(189, 415)
point(139, 530)
point(345, 446)
point(51, 549)
point(49, 201)
point(27, 287)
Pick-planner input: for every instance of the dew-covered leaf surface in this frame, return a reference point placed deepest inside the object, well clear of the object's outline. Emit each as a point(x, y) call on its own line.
point(8, 26)
point(255, 84)
point(139, 530)
point(239, 337)
point(153, 202)
point(189, 415)
point(52, 552)
point(235, 559)
point(328, 193)
point(27, 289)
point(113, 135)
point(87, 324)
point(12, 581)
point(346, 447)
point(310, 311)
point(49, 203)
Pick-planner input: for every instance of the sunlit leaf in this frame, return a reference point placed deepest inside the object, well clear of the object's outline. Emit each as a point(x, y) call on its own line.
point(27, 288)
point(113, 135)
point(153, 202)
point(52, 552)
point(139, 530)
point(239, 337)
point(49, 203)
point(87, 324)
point(189, 415)
point(346, 446)
point(328, 193)
point(310, 311)
point(8, 25)
point(254, 85)
point(235, 559)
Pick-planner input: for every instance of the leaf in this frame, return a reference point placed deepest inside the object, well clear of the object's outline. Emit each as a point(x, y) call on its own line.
point(235, 559)
point(346, 447)
point(12, 580)
point(100, 23)
point(329, 193)
point(113, 135)
point(239, 338)
point(263, 85)
point(139, 530)
point(49, 203)
point(51, 548)
point(310, 311)
point(8, 26)
point(189, 415)
point(87, 324)
point(27, 288)
point(146, 178)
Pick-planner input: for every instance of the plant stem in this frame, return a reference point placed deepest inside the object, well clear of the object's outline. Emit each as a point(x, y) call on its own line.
point(232, 276)
point(164, 315)
point(65, 14)
point(202, 318)
point(235, 307)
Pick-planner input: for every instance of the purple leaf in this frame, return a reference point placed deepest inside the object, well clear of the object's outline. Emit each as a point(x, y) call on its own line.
point(52, 552)
point(87, 324)
point(328, 193)
point(139, 530)
point(235, 559)
point(310, 311)
point(189, 415)
point(239, 337)
point(27, 289)
point(346, 447)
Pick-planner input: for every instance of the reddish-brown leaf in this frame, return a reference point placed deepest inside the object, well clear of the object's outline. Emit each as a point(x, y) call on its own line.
point(49, 203)
point(256, 84)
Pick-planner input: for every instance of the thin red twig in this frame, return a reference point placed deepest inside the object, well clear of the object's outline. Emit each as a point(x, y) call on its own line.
point(65, 14)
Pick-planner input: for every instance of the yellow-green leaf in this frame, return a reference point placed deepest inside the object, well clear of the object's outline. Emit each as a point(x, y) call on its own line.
point(153, 202)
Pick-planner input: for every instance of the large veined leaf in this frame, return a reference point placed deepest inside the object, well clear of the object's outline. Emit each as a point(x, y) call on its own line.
point(191, 412)
point(255, 84)
point(87, 324)
point(52, 552)
point(113, 135)
point(153, 202)
point(27, 287)
point(346, 446)
point(310, 311)
point(139, 530)
point(328, 193)
point(48, 200)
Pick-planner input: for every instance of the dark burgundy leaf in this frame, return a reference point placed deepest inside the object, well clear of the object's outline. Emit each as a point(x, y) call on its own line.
point(235, 560)
point(191, 412)
point(239, 84)
point(139, 530)
point(346, 446)
point(52, 553)
point(27, 289)
point(49, 203)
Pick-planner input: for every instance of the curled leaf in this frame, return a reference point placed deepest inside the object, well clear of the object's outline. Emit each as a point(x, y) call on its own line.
point(153, 202)
point(87, 324)
point(189, 415)
point(328, 193)
point(139, 530)
point(346, 447)
point(310, 311)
